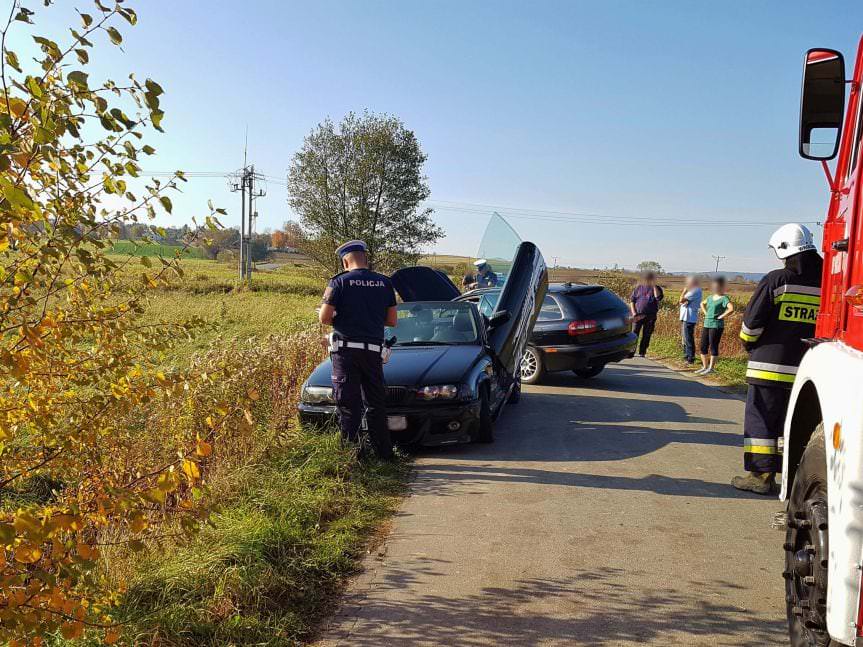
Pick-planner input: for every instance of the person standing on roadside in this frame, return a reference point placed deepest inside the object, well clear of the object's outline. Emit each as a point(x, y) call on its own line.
point(780, 315)
point(689, 302)
point(644, 306)
point(358, 303)
point(716, 308)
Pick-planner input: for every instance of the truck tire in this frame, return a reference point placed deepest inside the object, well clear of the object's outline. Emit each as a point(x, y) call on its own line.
point(485, 434)
point(807, 549)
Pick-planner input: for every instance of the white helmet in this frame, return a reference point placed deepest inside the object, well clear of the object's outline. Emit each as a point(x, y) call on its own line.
point(791, 239)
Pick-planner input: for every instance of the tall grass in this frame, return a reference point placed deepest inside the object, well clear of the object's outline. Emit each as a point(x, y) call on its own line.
point(295, 508)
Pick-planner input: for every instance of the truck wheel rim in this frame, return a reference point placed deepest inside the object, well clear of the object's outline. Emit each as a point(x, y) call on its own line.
point(529, 365)
point(806, 567)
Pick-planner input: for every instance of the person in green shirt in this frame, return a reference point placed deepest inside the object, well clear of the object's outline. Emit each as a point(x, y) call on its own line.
point(715, 308)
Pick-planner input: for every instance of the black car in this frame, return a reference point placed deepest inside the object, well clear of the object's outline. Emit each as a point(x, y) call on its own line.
point(580, 328)
point(452, 369)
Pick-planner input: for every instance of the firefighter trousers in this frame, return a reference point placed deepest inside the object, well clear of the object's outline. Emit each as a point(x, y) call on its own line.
point(763, 425)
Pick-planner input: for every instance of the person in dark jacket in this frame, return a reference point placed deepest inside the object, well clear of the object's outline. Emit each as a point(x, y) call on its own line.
point(780, 315)
point(644, 306)
point(358, 303)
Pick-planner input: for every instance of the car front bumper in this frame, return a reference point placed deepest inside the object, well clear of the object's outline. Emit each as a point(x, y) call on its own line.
point(431, 425)
point(574, 356)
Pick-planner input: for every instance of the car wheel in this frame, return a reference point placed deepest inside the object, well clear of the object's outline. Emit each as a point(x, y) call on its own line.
point(531, 366)
point(590, 371)
point(486, 423)
point(515, 395)
point(807, 550)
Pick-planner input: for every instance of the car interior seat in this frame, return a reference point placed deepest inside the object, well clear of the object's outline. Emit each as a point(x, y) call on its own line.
point(461, 330)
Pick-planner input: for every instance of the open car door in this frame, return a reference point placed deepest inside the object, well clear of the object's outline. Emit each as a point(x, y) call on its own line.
point(420, 283)
point(511, 322)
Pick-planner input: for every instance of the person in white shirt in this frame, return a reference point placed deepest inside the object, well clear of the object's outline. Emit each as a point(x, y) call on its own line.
point(690, 300)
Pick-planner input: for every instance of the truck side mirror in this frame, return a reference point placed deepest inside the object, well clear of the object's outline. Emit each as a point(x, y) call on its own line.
point(822, 104)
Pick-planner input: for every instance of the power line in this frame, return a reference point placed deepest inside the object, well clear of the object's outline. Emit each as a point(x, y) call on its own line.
point(546, 215)
point(717, 259)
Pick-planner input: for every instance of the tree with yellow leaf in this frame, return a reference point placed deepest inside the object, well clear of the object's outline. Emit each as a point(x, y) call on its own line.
point(80, 377)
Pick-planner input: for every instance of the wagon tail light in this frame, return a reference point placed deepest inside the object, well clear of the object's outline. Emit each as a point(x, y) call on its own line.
point(582, 327)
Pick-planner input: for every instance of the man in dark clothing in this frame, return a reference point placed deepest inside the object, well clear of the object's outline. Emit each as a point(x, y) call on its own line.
point(780, 315)
point(359, 303)
point(644, 305)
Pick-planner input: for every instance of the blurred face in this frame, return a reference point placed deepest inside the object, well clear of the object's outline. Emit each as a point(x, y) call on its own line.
point(691, 282)
point(718, 286)
point(649, 278)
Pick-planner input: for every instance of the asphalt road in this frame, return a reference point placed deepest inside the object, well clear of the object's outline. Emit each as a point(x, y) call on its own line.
point(601, 515)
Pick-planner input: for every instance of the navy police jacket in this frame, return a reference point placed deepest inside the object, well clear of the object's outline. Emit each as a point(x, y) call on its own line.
point(361, 299)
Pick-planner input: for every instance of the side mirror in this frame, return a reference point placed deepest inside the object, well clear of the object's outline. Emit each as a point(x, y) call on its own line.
point(822, 104)
point(498, 319)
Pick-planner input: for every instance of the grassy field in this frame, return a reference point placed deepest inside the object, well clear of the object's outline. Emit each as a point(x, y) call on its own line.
point(136, 248)
point(296, 508)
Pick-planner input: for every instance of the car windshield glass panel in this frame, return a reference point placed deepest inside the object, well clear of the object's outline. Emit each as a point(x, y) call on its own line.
point(428, 322)
point(497, 248)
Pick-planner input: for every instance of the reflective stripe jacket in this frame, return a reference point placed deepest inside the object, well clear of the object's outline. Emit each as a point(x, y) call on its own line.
point(780, 315)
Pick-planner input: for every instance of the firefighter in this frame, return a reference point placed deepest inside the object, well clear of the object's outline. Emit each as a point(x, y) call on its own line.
point(780, 315)
point(358, 303)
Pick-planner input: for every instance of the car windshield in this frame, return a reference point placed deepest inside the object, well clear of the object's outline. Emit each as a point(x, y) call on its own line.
point(430, 323)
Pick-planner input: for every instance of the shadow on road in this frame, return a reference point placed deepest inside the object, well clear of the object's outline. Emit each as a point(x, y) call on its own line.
point(588, 608)
point(451, 479)
point(641, 379)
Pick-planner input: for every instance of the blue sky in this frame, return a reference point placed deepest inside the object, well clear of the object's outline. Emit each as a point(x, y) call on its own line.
point(656, 110)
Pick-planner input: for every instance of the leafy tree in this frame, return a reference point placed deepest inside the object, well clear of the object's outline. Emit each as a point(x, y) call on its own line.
point(278, 239)
point(650, 266)
point(80, 374)
point(362, 179)
point(293, 233)
point(221, 239)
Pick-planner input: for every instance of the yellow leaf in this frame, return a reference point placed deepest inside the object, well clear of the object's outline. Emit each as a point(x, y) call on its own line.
point(190, 468)
point(204, 448)
point(111, 636)
point(254, 395)
point(72, 630)
point(27, 554)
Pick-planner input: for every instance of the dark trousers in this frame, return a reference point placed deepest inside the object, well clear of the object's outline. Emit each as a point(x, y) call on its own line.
point(763, 425)
point(358, 386)
point(687, 331)
point(644, 327)
point(710, 338)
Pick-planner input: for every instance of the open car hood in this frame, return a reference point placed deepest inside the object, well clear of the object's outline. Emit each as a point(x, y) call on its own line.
point(420, 283)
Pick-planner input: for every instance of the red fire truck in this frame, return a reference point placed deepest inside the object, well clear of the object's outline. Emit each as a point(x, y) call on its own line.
point(822, 476)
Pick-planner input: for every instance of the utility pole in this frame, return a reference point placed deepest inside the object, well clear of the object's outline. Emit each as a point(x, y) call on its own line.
point(717, 259)
point(244, 181)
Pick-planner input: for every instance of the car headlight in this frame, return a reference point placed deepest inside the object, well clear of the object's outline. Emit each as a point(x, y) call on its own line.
point(438, 392)
point(318, 395)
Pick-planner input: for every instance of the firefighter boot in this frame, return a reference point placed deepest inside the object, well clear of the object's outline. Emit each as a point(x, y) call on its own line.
point(758, 482)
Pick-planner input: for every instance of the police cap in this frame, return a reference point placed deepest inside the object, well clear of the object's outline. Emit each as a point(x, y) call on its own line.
point(351, 246)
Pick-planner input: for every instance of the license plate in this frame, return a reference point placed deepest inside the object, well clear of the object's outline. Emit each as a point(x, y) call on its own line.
point(611, 324)
point(397, 423)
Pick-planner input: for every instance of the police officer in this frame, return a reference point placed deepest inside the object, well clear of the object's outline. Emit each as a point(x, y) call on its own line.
point(485, 278)
point(780, 314)
point(359, 303)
